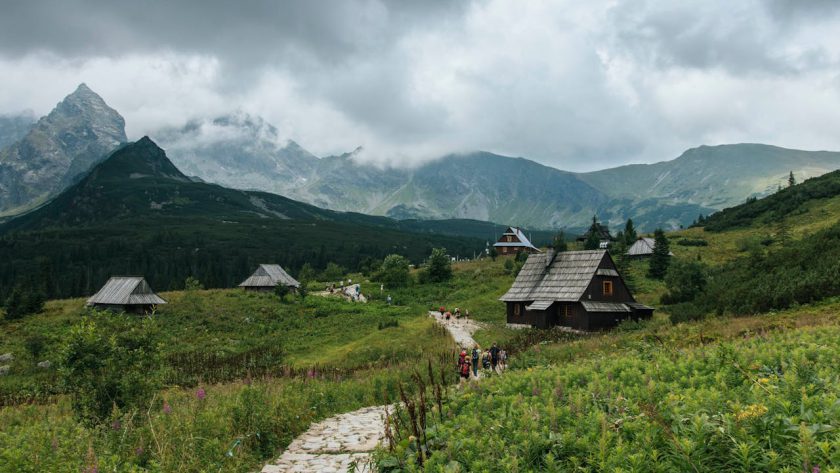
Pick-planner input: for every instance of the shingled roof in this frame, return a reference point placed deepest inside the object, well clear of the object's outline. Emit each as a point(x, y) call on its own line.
point(269, 275)
point(643, 247)
point(565, 278)
point(520, 235)
point(126, 290)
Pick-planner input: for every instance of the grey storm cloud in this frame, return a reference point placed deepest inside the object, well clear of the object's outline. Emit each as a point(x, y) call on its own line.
point(577, 85)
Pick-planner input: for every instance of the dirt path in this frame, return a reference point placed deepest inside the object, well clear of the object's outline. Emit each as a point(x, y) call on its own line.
point(347, 440)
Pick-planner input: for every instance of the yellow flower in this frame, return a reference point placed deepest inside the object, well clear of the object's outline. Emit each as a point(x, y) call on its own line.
point(763, 380)
point(750, 412)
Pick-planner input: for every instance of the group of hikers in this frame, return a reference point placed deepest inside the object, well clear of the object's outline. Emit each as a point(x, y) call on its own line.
point(494, 359)
point(448, 315)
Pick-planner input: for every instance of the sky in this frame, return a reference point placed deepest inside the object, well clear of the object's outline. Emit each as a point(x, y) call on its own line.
point(574, 85)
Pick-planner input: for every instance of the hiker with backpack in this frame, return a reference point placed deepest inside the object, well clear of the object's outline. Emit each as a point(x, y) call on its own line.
point(463, 366)
point(476, 354)
point(494, 356)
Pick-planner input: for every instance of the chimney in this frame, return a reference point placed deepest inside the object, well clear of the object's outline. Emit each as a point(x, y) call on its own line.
point(549, 257)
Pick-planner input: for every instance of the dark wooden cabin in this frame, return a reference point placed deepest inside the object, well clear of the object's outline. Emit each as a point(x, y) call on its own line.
point(514, 241)
point(578, 289)
point(126, 294)
point(267, 277)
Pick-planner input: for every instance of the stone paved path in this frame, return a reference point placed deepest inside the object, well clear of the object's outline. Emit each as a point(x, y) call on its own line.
point(339, 443)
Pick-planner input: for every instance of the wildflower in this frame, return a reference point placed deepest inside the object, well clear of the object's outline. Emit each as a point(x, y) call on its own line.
point(816, 469)
point(116, 425)
point(139, 451)
point(750, 412)
point(167, 409)
point(763, 380)
point(200, 394)
point(411, 438)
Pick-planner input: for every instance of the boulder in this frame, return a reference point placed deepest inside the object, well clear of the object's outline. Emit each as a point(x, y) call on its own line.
point(4, 370)
point(6, 357)
point(46, 364)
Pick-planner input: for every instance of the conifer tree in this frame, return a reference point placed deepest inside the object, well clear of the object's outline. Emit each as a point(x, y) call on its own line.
point(630, 234)
point(660, 259)
point(791, 180)
point(559, 243)
point(592, 242)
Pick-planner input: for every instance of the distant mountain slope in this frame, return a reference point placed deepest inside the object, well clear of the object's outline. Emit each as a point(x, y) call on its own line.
point(245, 152)
point(713, 176)
point(772, 208)
point(136, 213)
point(14, 127)
point(78, 133)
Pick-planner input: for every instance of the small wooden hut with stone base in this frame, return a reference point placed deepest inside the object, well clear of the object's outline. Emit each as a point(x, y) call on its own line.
point(643, 248)
point(267, 277)
point(126, 294)
point(578, 289)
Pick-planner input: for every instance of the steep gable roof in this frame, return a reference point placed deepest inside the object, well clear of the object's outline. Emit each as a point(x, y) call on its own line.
point(269, 275)
point(643, 247)
point(126, 290)
point(555, 276)
point(520, 235)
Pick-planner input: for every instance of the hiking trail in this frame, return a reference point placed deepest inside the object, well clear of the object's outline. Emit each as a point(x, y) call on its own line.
point(335, 444)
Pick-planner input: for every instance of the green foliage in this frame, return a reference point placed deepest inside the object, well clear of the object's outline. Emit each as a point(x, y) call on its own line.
point(759, 404)
point(493, 253)
point(686, 312)
point(630, 235)
point(192, 284)
point(439, 266)
point(281, 291)
point(22, 302)
point(787, 202)
point(661, 255)
point(35, 344)
point(306, 274)
point(333, 272)
point(692, 242)
point(685, 281)
point(508, 265)
point(394, 271)
point(592, 242)
point(111, 365)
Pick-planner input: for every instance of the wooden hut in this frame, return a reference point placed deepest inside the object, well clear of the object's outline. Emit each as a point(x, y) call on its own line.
point(267, 277)
point(514, 241)
point(126, 294)
point(643, 248)
point(578, 289)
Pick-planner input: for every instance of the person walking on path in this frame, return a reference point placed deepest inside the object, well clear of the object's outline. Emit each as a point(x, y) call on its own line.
point(494, 356)
point(476, 354)
point(503, 360)
point(463, 366)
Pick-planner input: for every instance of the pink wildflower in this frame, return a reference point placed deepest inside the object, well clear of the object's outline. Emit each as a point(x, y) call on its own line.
point(200, 394)
point(116, 425)
point(167, 409)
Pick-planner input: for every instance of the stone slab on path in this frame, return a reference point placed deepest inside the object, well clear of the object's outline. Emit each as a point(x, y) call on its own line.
point(460, 329)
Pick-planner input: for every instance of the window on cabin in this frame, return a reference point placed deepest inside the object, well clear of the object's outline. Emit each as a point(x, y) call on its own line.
point(566, 310)
point(608, 288)
point(509, 238)
point(516, 309)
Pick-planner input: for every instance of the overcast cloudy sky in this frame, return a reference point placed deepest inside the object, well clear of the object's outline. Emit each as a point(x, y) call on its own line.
point(577, 85)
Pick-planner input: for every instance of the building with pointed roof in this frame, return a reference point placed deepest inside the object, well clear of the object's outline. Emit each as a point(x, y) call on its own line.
point(514, 241)
point(267, 277)
point(126, 294)
point(642, 248)
point(578, 289)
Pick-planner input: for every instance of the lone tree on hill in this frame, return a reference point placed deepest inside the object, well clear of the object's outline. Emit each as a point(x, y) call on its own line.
point(440, 266)
point(791, 180)
point(559, 244)
point(660, 259)
point(630, 234)
point(394, 271)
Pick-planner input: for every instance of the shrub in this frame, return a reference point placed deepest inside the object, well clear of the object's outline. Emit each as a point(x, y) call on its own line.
point(35, 345)
point(281, 291)
point(685, 312)
point(394, 271)
point(440, 266)
point(685, 281)
point(692, 242)
point(333, 272)
point(508, 266)
point(22, 302)
point(106, 368)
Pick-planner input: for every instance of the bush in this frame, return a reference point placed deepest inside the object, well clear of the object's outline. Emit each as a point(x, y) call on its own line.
point(281, 291)
point(22, 302)
point(686, 312)
point(692, 242)
point(394, 271)
point(107, 368)
point(440, 266)
point(685, 281)
point(35, 345)
point(333, 272)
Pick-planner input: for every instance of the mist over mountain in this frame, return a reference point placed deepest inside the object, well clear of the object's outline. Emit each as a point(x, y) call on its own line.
point(14, 127)
point(245, 152)
point(79, 132)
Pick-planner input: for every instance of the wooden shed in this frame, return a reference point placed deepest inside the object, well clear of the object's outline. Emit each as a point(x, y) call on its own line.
point(267, 277)
point(578, 289)
point(514, 241)
point(643, 248)
point(126, 294)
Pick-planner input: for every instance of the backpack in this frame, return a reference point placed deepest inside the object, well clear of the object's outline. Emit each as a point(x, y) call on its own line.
point(465, 367)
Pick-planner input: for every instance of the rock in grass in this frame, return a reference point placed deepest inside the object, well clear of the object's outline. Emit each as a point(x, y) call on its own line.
point(4, 370)
point(6, 357)
point(46, 364)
